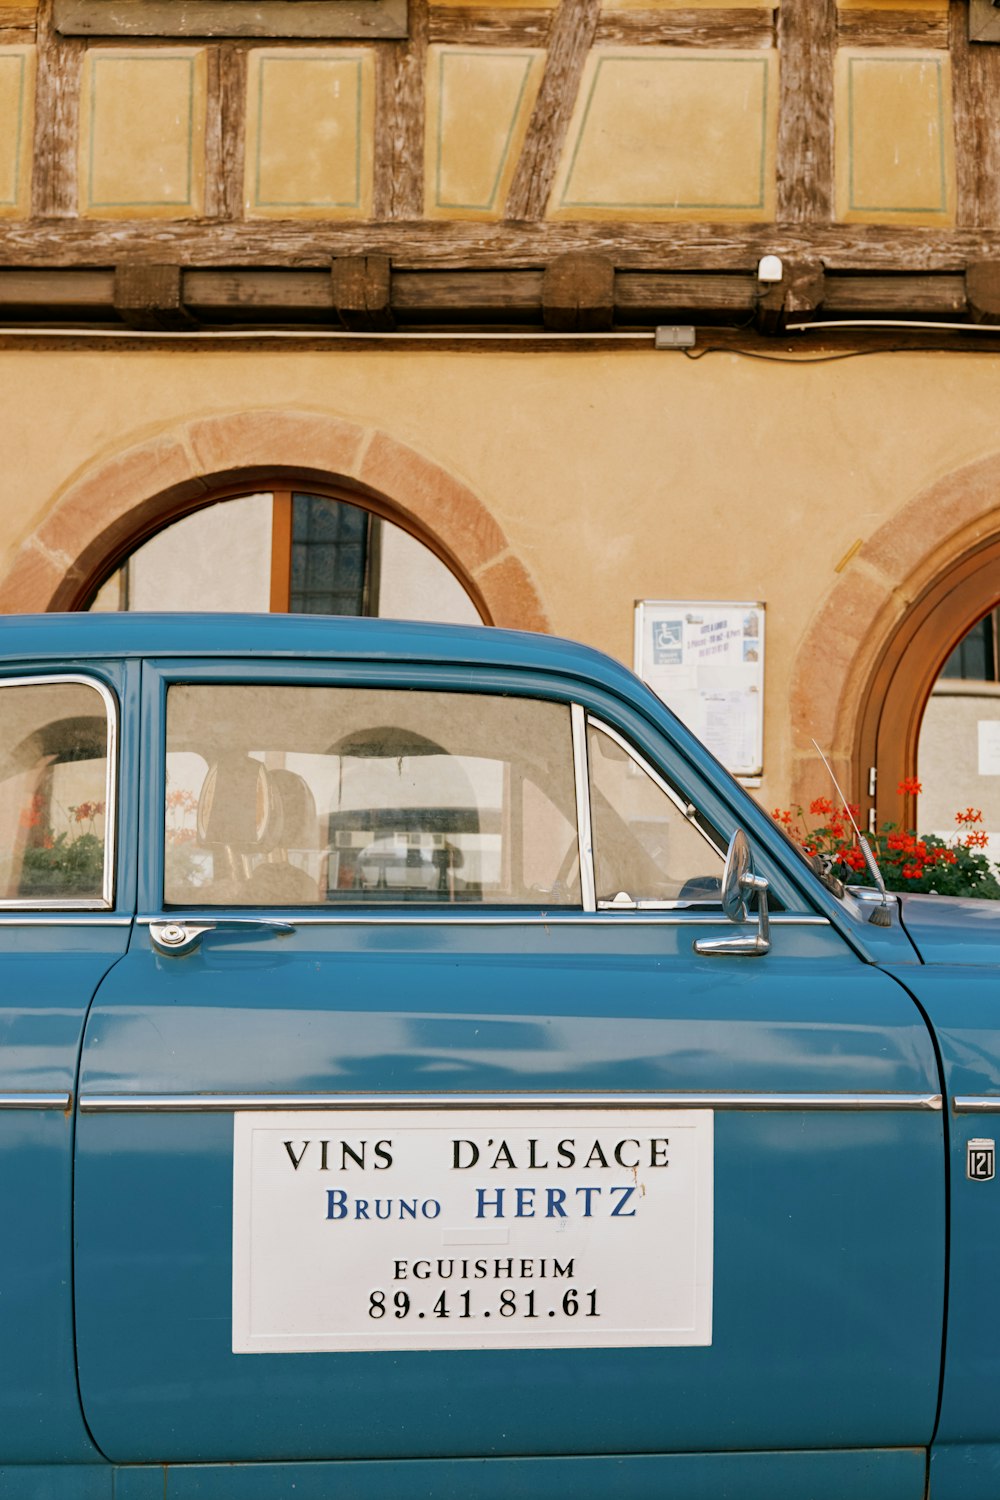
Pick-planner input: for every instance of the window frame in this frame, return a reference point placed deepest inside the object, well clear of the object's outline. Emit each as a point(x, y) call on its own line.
point(440, 680)
point(106, 900)
point(688, 811)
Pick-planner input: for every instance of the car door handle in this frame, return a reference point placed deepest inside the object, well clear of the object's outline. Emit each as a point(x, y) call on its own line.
point(182, 934)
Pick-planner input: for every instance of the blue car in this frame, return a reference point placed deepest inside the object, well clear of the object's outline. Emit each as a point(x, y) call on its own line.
point(425, 1073)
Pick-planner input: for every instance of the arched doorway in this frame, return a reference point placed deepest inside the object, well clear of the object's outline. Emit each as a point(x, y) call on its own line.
point(905, 677)
point(283, 550)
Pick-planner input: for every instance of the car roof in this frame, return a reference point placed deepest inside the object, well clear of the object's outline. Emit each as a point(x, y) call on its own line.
point(83, 636)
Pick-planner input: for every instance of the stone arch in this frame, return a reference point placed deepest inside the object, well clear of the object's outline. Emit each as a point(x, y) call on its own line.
point(119, 502)
point(885, 630)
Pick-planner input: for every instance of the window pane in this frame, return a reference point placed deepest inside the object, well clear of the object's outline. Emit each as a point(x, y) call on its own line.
point(329, 557)
point(289, 796)
point(53, 785)
point(644, 846)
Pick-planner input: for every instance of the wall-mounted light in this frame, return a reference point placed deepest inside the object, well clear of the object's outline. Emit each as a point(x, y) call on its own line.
point(770, 268)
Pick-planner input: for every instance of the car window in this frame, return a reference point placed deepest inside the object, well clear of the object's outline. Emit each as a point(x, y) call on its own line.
point(649, 845)
point(282, 795)
point(54, 793)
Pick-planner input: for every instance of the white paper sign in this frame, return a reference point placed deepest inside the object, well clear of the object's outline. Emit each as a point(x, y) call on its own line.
point(706, 661)
point(989, 747)
point(471, 1229)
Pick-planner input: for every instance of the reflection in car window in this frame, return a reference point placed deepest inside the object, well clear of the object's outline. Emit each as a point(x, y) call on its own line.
point(280, 795)
point(646, 848)
point(53, 793)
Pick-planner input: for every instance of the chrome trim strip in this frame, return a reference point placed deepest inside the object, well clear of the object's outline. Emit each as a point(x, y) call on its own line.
point(107, 897)
point(433, 917)
point(98, 918)
point(976, 1104)
point(224, 1103)
point(584, 830)
point(36, 1101)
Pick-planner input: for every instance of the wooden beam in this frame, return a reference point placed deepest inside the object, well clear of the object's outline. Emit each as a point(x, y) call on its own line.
point(892, 28)
point(361, 286)
point(469, 245)
point(982, 287)
point(687, 28)
point(807, 39)
point(578, 293)
point(225, 131)
point(57, 117)
point(975, 82)
point(649, 297)
point(573, 29)
point(474, 25)
point(147, 296)
point(306, 19)
point(574, 294)
point(895, 296)
point(481, 297)
point(400, 73)
point(21, 21)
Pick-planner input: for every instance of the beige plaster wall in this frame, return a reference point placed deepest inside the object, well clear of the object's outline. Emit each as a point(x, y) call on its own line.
point(613, 475)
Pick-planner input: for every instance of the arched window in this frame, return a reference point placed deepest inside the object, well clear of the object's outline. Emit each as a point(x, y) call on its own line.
point(958, 751)
point(284, 551)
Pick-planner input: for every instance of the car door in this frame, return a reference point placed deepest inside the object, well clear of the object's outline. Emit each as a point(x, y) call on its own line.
point(423, 1121)
point(65, 913)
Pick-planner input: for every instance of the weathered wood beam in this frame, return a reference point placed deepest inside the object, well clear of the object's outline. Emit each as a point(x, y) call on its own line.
point(57, 116)
point(148, 296)
point(982, 288)
point(574, 294)
point(473, 25)
point(687, 28)
point(573, 29)
point(468, 245)
point(578, 293)
point(362, 291)
point(807, 39)
point(306, 19)
point(895, 296)
point(400, 72)
point(475, 296)
point(975, 82)
point(892, 28)
point(225, 131)
point(20, 21)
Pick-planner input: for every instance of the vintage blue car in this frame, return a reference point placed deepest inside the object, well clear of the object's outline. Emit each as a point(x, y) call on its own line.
point(424, 1073)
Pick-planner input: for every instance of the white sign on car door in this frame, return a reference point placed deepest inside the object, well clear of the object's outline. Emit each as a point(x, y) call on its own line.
point(446, 1228)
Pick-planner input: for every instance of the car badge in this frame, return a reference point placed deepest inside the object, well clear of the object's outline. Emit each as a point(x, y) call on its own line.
point(980, 1161)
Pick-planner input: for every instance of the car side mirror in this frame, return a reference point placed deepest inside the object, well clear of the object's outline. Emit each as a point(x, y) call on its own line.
point(739, 883)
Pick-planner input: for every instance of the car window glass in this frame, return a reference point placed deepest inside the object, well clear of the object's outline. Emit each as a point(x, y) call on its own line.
point(646, 848)
point(53, 793)
point(281, 795)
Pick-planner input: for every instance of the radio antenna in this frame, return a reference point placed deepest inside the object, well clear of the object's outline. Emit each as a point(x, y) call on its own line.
point(881, 916)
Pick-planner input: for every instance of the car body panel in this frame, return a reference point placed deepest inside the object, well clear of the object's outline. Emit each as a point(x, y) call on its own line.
point(835, 1168)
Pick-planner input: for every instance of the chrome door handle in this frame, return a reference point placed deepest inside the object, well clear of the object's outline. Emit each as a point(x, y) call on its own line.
point(182, 934)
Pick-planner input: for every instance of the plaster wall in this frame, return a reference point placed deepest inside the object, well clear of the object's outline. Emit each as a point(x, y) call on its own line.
point(613, 475)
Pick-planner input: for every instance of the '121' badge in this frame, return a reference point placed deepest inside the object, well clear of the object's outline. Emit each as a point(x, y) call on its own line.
point(980, 1161)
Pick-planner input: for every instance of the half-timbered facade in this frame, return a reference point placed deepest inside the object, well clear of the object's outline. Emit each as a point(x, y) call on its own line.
point(594, 301)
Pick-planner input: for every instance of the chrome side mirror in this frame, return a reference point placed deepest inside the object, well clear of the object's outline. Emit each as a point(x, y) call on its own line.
point(738, 886)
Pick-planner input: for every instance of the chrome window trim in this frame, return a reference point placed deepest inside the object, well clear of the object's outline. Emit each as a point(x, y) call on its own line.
point(36, 1101)
point(230, 1103)
point(70, 918)
point(106, 900)
point(584, 833)
point(976, 1104)
point(476, 917)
